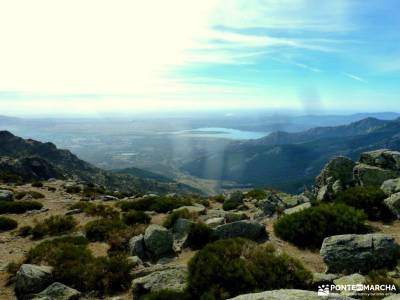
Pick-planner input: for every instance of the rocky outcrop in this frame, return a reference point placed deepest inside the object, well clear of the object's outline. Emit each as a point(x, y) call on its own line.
point(136, 246)
point(158, 241)
point(371, 175)
point(391, 186)
point(181, 230)
point(393, 203)
point(6, 195)
point(353, 279)
point(289, 295)
point(172, 279)
point(382, 158)
point(352, 253)
point(245, 229)
point(336, 176)
point(193, 209)
point(297, 208)
point(280, 201)
point(59, 291)
point(32, 279)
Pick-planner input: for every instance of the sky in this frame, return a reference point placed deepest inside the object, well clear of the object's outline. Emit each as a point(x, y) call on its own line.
point(126, 56)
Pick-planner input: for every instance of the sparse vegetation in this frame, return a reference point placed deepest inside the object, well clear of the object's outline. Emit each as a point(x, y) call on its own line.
point(309, 227)
point(231, 267)
point(25, 231)
point(54, 225)
point(33, 194)
point(92, 209)
point(158, 204)
point(135, 217)
point(18, 207)
point(7, 224)
point(369, 199)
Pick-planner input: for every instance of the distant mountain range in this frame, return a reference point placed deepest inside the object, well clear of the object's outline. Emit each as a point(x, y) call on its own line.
point(288, 161)
point(33, 160)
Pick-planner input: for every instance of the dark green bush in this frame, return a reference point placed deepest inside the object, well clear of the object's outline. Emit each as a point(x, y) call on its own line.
point(199, 236)
point(99, 230)
point(74, 189)
point(258, 194)
point(7, 177)
point(231, 267)
point(75, 266)
point(54, 225)
point(92, 209)
point(219, 198)
point(33, 194)
point(18, 207)
point(158, 204)
point(37, 184)
point(135, 217)
point(172, 217)
point(309, 227)
point(369, 199)
point(25, 231)
point(7, 224)
point(235, 200)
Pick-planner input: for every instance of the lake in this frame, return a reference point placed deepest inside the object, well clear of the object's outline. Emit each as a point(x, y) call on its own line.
point(228, 133)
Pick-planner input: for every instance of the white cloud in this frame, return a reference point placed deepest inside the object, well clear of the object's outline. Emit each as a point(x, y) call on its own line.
point(352, 76)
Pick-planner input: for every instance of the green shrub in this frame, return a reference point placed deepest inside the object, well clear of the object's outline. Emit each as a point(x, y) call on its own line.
point(24, 231)
point(135, 217)
point(368, 198)
point(99, 230)
point(7, 177)
point(258, 194)
point(33, 194)
point(74, 189)
point(219, 198)
point(7, 224)
point(233, 201)
point(92, 209)
point(75, 266)
point(118, 239)
point(37, 184)
point(172, 217)
point(158, 204)
point(231, 267)
point(308, 228)
point(18, 207)
point(199, 236)
point(54, 225)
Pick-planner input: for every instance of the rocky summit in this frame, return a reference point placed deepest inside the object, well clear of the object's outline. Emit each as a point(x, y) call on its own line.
point(71, 237)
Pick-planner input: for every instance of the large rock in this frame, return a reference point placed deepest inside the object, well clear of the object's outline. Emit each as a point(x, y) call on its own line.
point(382, 158)
point(193, 209)
point(352, 253)
point(136, 246)
point(173, 279)
point(280, 201)
point(59, 291)
point(393, 203)
point(336, 176)
point(391, 186)
point(245, 229)
point(297, 208)
point(353, 279)
point(289, 295)
point(32, 279)
point(6, 195)
point(158, 240)
point(371, 175)
point(181, 230)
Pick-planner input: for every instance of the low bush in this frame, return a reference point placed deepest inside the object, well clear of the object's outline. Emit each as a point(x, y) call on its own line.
point(369, 199)
point(24, 231)
point(7, 224)
point(199, 236)
point(33, 194)
point(135, 217)
point(234, 201)
point(99, 210)
point(172, 217)
point(231, 267)
point(54, 225)
point(219, 198)
point(75, 266)
point(158, 204)
point(258, 194)
point(18, 207)
point(118, 239)
point(51, 189)
point(309, 227)
point(7, 177)
point(37, 184)
point(73, 189)
point(99, 230)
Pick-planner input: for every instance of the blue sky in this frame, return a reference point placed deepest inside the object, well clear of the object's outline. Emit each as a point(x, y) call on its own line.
point(71, 56)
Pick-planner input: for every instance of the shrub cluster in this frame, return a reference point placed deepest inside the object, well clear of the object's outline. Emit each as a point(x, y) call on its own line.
point(18, 207)
point(258, 194)
point(172, 217)
point(199, 236)
point(369, 199)
point(7, 177)
point(7, 224)
point(231, 267)
point(135, 217)
point(309, 227)
point(24, 231)
point(92, 209)
point(158, 204)
point(37, 184)
point(75, 265)
point(33, 194)
point(100, 229)
point(54, 225)
point(233, 201)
